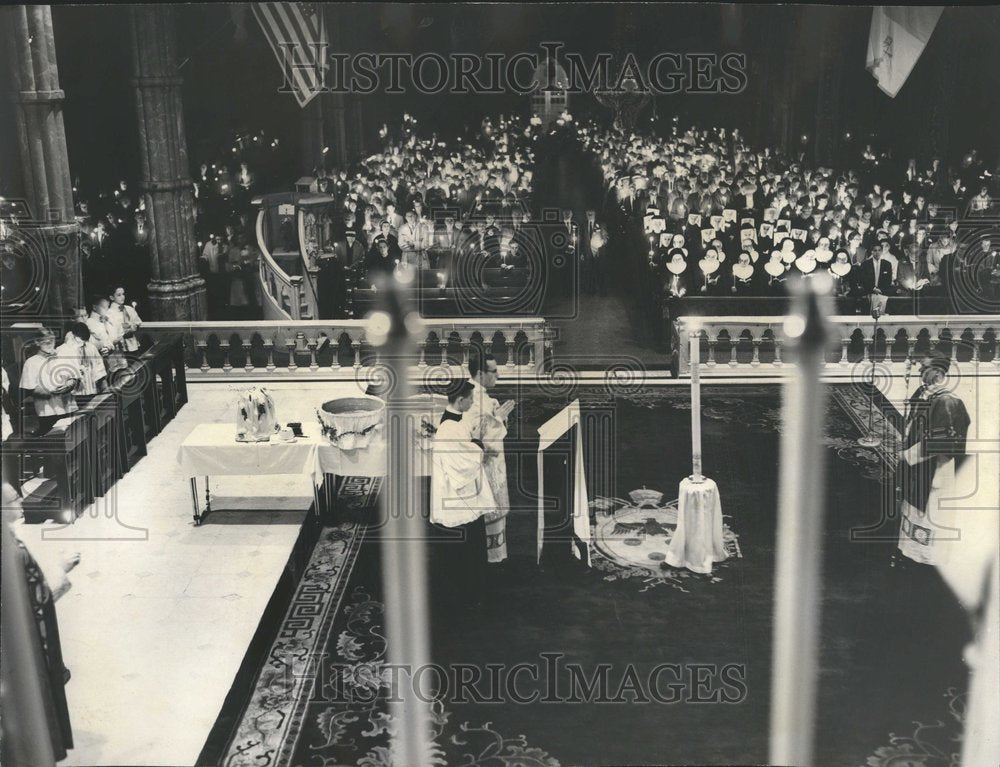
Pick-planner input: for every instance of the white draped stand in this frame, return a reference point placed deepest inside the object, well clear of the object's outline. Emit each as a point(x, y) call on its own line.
point(697, 543)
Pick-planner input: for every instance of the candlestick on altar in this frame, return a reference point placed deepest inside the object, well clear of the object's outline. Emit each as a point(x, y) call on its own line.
point(800, 532)
point(404, 555)
point(695, 331)
point(697, 542)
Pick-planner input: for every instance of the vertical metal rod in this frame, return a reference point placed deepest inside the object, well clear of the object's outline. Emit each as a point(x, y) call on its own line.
point(404, 558)
point(800, 530)
point(695, 332)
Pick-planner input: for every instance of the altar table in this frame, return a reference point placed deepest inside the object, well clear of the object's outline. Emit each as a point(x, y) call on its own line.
point(211, 449)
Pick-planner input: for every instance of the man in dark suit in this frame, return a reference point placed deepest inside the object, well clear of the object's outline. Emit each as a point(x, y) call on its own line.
point(350, 250)
point(331, 286)
point(875, 277)
point(507, 258)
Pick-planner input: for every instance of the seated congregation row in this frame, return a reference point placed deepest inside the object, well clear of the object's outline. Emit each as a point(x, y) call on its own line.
point(458, 202)
point(712, 216)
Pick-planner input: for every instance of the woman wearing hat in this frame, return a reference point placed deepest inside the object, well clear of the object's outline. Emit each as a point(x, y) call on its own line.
point(744, 277)
point(677, 282)
point(710, 281)
point(777, 272)
point(844, 285)
point(806, 264)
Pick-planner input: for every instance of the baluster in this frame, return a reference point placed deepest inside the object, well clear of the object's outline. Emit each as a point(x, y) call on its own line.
point(755, 362)
point(356, 345)
point(293, 365)
point(443, 343)
point(734, 342)
point(422, 345)
point(226, 365)
point(202, 346)
point(269, 346)
point(976, 341)
point(866, 344)
point(911, 346)
point(312, 343)
point(844, 343)
point(531, 354)
point(335, 346)
point(466, 343)
point(777, 352)
point(511, 361)
point(711, 352)
point(248, 365)
point(955, 340)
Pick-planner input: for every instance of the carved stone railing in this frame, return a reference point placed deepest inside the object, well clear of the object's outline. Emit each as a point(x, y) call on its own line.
point(754, 346)
point(337, 350)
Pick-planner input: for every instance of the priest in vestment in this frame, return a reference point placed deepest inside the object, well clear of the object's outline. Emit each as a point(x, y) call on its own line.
point(460, 493)
point(936, 425)
point(489, 425)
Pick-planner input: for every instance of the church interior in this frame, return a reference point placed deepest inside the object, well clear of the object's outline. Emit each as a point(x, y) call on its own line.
point(514, 385)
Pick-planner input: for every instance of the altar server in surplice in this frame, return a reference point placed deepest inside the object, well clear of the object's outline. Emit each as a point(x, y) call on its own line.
point(460, 496)
point(489, 424)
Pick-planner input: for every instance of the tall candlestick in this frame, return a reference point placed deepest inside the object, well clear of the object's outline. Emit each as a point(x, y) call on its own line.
point(798, 576)
point(696, 475)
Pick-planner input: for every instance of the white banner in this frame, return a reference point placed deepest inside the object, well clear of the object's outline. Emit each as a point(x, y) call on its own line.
point(897, 38)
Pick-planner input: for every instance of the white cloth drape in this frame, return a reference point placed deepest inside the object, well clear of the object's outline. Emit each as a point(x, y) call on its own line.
point(697, 543)
point(549, 432)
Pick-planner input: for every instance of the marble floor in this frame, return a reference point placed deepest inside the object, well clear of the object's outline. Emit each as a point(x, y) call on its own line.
point(160, 613)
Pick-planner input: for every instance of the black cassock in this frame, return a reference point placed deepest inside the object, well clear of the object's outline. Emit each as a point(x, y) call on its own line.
point(940, 425)
point(331, 289)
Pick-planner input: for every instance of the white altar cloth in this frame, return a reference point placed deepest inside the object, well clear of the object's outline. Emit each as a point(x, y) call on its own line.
point(697, 542)
point(211, 449)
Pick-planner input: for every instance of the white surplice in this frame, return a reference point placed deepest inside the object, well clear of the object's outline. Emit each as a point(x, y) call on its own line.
point(489, 426)
point(460, 491)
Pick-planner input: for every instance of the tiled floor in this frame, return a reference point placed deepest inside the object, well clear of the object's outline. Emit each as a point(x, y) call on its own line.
point(161, 613)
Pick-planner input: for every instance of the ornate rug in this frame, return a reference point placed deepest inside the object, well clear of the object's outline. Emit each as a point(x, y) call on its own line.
point(311, 706)
point(630, 538)
point(935, 743)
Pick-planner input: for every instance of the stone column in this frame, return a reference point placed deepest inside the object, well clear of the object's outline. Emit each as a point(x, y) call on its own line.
point(313, 139)
point(176, 292)
point(944, 83)
point(51, 237)
point(829, 42)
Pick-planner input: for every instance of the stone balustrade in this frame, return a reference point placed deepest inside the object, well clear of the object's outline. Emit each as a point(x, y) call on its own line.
point(341, 349)
point(755, 346)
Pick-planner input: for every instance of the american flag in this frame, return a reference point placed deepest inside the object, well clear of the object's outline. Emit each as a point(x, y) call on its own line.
point(297, 36)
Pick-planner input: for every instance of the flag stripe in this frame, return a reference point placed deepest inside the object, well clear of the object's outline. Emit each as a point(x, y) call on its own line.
point(296, 38)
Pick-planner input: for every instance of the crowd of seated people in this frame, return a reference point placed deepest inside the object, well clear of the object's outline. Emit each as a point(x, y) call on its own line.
point(443, 207)
point(719, 219)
